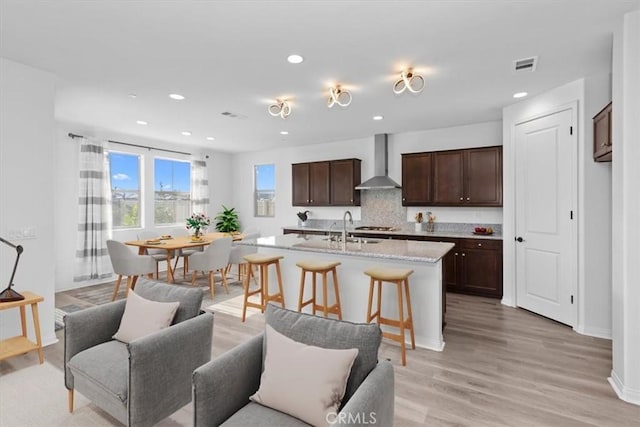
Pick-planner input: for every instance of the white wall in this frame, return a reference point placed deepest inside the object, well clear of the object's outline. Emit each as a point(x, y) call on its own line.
point(65, 179)
point(476, 135)
point(625, 373)
point(27, 129)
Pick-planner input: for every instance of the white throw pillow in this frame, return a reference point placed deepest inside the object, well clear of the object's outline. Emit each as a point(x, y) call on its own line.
point(142, 317)
point(304, 381)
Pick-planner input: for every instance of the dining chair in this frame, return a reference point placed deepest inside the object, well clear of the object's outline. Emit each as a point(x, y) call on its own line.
point(214, 258)
point(158, 255)
point(184, 253)
point(126, 263)
point(237, 255)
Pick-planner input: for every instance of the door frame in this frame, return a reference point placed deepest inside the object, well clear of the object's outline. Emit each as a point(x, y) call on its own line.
point(510, 239)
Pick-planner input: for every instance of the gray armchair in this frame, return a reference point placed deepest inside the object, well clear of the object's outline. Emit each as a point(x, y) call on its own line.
point(145, 381)
point(222, 387)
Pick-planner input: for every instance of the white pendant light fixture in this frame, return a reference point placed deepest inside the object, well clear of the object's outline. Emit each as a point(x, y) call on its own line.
point(339, 96)
point(280, 108)
point(408, 80)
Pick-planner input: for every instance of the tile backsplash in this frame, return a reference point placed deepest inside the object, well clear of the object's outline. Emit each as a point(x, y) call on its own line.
point(383, 208)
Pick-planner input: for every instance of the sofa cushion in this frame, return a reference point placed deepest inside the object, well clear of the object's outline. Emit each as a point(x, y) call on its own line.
point(143, 317)
point(254, 414)
point(303, 380)
point(330, 333)
point(190, 299)
point(106, 364)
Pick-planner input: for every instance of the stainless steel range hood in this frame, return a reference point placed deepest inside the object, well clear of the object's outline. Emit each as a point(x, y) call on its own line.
point(380, 180)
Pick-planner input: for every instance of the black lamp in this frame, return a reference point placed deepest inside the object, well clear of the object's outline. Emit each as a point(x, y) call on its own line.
point(9, 294)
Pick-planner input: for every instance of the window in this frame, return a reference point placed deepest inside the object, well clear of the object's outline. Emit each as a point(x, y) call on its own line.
point(265, 190)
point(125, 189)
point(172, 191)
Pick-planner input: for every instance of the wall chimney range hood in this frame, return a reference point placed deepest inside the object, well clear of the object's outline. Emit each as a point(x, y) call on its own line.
point(380, 180)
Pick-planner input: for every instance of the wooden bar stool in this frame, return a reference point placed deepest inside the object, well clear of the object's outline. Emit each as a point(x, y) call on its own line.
point(319, 267)
point(400, 277)
point(263, 262)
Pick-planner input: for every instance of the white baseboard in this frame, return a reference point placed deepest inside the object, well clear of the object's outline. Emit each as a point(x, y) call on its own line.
point(594, 332)
point(508, 302)
point(624, 393)
point(49, 340)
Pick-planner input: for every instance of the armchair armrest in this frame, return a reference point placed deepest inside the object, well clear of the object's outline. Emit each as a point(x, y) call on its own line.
point(224, 385)
point(87, 328)
point(373, 401)
point(161, 366)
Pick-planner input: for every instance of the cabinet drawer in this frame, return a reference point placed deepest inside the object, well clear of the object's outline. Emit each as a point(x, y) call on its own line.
point(481, 244)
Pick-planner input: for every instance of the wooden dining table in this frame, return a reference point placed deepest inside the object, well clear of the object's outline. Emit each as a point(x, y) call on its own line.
point(174, 243)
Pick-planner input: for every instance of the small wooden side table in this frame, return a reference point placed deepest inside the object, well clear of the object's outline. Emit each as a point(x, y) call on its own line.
point(21, 344)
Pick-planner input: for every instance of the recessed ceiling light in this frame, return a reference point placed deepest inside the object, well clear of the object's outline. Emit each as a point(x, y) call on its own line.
point(210, 138)
point(186, 133)
point(141, 122)
point(378, 117)
point(132, 95)
point(520, 94)
point(295, 59)
point(176, 96)
point(284, 132)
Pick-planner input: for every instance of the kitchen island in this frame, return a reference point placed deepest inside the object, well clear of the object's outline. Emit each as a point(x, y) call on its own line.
point(424, 258)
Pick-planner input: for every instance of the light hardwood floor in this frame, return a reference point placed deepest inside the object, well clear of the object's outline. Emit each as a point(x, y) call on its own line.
point(500, 366)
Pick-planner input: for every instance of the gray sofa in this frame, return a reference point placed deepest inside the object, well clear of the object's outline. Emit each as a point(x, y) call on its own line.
point(145, 381)
point(222, 387)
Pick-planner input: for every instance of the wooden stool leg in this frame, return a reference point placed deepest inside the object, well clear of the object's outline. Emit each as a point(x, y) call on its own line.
point(194, 276)
point(70, 398)
point(379, 300)
point(211, 282)
point(245, 285)
point(410, 320)
point(336, 289)
point(117, 287)
point(325, 300)
point(264, 285)
point(301, 294)
point(369, 317)
point(401, 316)
point(314, 287)
point(280, 283)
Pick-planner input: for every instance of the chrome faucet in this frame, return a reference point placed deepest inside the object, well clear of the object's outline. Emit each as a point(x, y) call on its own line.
point(344, 228)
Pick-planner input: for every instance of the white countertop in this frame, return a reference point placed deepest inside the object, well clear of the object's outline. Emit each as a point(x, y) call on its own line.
point(404, 232)
point(405, 250)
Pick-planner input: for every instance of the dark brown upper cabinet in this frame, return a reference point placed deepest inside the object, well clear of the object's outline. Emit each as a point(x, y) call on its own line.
point(345, 175)
point(417, 178)
point(471, 177)
point(602, 142)
point(326, 183)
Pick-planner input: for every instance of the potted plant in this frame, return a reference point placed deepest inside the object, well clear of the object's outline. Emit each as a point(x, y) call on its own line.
point(227, 221)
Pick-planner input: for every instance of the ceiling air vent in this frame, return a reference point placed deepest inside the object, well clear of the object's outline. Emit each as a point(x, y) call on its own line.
point(234, 115)
point(526, 64)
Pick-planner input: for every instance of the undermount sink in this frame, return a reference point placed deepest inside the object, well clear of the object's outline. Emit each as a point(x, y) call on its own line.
point(355, 240)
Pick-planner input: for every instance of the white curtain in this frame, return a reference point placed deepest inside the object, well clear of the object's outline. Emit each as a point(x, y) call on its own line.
point(94, 212)
point(199, 187)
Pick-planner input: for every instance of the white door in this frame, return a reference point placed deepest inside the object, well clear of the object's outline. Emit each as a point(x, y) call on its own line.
point(545, 232)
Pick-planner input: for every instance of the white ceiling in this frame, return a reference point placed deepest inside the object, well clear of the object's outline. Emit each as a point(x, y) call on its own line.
point(231, 56)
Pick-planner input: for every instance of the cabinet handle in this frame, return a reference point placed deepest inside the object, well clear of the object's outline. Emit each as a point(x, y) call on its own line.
point(479, 244)
point(456, 253)
point(461, 198)
point(311, 200)
point(463, 254)
point(468, 198)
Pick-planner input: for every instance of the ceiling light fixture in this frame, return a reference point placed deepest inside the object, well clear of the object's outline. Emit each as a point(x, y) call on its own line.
point(338, 96)
point(141, 122)
point(284, 132)
point(176, 96)
point(520, 94)
point(408, 80)
point(186, 133)
point(280, 108)
point(132, 95)
point(295, 59)
point(210, 138)
point(378, 117)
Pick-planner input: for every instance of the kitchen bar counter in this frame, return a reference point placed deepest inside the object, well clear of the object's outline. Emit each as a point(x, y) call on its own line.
point(424, 258)
point(399, 234)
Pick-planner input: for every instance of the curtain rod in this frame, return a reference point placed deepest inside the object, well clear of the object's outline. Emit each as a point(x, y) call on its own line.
point(74, 136)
